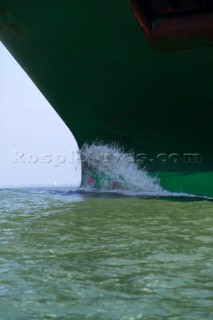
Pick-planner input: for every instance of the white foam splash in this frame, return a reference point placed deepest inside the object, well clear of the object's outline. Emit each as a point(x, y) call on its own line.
point(108, 168)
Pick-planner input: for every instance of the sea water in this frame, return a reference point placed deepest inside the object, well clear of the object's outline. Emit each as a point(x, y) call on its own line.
point(119, 248)
point(101, 255)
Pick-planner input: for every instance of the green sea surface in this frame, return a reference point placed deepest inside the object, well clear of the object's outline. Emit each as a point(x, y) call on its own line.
point(77, 255)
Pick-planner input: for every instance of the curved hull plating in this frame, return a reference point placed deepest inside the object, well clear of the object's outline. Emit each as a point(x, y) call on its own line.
point(94, 65)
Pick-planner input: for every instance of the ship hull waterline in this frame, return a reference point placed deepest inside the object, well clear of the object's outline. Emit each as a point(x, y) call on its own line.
point(94, 65)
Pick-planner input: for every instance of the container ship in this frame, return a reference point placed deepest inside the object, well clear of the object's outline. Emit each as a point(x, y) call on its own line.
point(138, 72)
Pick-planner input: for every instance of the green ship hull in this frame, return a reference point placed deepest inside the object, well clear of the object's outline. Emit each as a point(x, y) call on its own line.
point(93, 63)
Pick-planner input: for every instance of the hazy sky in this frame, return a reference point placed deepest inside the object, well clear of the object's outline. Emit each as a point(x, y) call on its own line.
point(36, 146)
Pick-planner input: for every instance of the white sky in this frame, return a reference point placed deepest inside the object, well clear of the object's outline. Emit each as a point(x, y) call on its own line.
point(29, 125)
